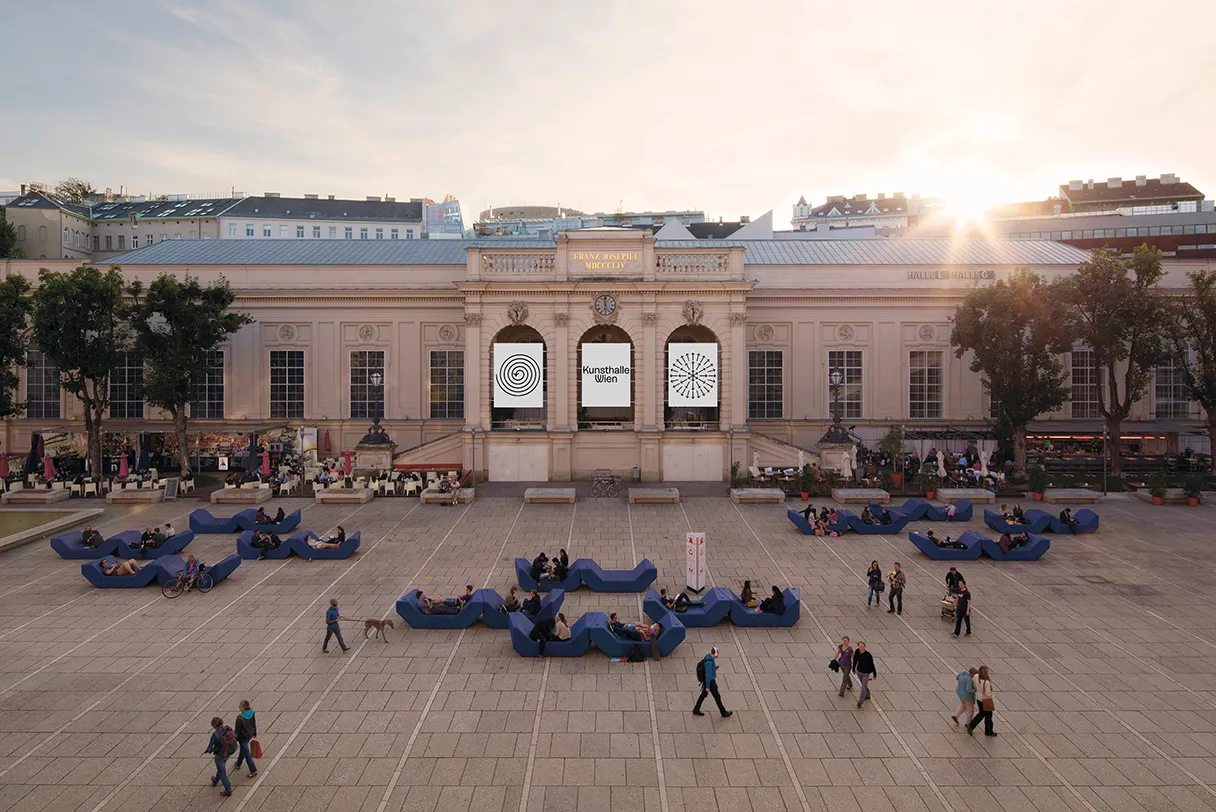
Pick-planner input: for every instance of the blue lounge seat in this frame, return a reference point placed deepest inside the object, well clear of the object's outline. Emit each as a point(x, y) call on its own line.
point(1037, 525)
point(915, 508)
point(290, 522)
point(250, 553)
point(301, 548)
point(598, 579)
point(843, 523)
point(550, 605)
point(576, 646)
point(741, 615)
point(523, 574)
point(898, 521)
point(411, 612)
point(800, 521)
point(1087, 521)
point(91, 570)
point(171, 566)
point(970, 538)
point(1031, 551)
point(71, 545)
point(129, 548)
point(669, 639)
point(963, 511)
point(716, 608)
point(201, 521)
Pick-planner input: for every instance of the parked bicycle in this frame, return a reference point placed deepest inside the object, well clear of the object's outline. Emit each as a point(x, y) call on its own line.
point(200, 580)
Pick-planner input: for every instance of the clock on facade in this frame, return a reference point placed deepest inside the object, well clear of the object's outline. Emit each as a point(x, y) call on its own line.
point(605, 305)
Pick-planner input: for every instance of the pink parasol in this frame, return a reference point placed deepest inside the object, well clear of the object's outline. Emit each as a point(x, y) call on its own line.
point(265, 463)
point(3, 465)
point(327, 441)
point(123, 470)
point(48, 467)
point(346, 465)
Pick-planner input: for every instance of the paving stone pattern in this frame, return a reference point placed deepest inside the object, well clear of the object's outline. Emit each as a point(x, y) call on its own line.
point(1103, 655)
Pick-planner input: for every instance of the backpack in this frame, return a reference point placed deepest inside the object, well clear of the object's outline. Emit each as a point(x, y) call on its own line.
point(701, 671)
point(227, 745)
point(636, 655)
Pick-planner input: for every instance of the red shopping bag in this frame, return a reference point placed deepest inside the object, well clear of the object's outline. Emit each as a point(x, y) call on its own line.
point(255, 748)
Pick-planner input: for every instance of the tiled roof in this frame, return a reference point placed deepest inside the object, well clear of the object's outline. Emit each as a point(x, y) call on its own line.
point(304, 208)
point(860, 205)
point(144, 210)
point(931, 252)
point(1153, 189)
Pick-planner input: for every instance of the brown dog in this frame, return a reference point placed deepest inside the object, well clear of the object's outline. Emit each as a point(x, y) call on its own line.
point(378, 627)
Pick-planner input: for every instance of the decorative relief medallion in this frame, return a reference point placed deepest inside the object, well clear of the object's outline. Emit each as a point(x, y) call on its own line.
point(517, 312)
point(738, 318)
point(368, 333)
point(845, 332)
point(287, 333)
point(561, 319)
point(448, 333)
point(927, 332)
point(650, 319)
point(764, 332)
point(693, 312)
point(473, 319)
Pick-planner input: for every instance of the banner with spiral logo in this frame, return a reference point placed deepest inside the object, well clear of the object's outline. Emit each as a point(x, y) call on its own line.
point(692, 374)
point(519, 375)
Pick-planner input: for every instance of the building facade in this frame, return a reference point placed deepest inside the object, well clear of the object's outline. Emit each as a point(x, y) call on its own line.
point(543, 222)
point(887, 214)
point(543, 360)
point(312, 217)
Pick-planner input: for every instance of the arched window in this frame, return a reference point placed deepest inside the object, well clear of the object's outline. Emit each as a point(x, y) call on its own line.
point(41, 233)
point(21, 233)
point(520, 378)
point(694, 377)
point(605, 376)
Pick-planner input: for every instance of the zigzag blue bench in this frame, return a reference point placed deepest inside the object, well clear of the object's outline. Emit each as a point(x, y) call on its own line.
point(914, 508)
point(250, 553)
point(523, 574)
point(917, 509)
point(585, 572)
point(971, 538)
point(576, 646)
point(291, 521)
point(1036, 525)
point(742, 615)
point(1086, 519)
point(411, 612)
point(170, 546)
point(550, 605)
point(715, 608)
point(898, 522)
point(201, 521)
point(300, 546)
point(91, 570)
point(615, 646)
point(840, 527)
point(70, 546)
point(171, 566)
point(1031, 551)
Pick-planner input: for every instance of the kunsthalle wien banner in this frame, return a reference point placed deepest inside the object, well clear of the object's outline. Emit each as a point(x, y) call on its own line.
point(519, 376)
point(606, 375)
point(692, 374)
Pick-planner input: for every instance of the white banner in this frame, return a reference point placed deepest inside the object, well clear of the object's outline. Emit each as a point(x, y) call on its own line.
point(519, 376)
point(606, 375)
point(692, 374)
point(695, 576)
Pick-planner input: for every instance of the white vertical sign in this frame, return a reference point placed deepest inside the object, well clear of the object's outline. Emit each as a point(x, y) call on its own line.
point(692, 374)
point(695, 575)
point(606, 375)
point(519, 376)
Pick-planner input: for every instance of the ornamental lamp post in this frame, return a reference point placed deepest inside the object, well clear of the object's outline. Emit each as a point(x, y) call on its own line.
point(836, 433)
point(376, 380)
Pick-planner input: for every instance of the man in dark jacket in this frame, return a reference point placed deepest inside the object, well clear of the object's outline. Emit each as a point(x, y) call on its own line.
point(544, 631)
point(710, 685)
point(532, 604)
point(863, 667)
point(622, 630)
point(538, 566)
point(953, 579)
point(962, 609)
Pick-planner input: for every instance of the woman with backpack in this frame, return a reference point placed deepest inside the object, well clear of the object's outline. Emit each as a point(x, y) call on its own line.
point(246, 730)
point(874, 577)
point(222, 745)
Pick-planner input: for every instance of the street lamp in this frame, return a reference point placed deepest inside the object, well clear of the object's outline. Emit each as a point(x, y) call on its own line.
point(836, 433)
point(376, 379)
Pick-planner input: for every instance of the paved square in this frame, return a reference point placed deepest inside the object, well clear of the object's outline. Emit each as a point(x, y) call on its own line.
point(1103, 655)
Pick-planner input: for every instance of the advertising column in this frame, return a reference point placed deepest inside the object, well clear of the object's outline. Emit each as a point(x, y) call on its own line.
point(694, 574)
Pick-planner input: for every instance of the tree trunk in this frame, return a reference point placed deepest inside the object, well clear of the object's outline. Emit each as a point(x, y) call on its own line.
point(92, 427)
point(1114, 445)
point(183, 443)
point(1019, 451)
point(1212, 439)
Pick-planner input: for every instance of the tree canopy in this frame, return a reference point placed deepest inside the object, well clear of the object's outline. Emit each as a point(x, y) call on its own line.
point(8, 238)
point(1193, 343)
point(15, 309)
point(75, 189)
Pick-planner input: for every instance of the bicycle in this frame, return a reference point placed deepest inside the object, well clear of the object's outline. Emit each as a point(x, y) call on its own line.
point(604, 484)
point(200, 581)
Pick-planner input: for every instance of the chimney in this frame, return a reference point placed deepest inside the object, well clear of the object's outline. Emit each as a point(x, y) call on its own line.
point(1076, 185)
point(1141, 180)
point(331, 197)
point(1167, 179)
point(898, 194)
point(372, 198)
point(270, 194)
point(310, 197)
point(1114, 183)
point(23, 188)
point(882, 195)
point(1089, 184)
point(390, 200)
point(745, 218)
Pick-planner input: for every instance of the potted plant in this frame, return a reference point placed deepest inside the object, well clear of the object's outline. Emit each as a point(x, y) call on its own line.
point(1192, 486)
point(1156, 488)
point(737, 481)
point(1037, 481)
point(930, 479)
point(806, 481)
point(892, 445)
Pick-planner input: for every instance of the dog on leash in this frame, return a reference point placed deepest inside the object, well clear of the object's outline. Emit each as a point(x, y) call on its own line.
point(376, 627)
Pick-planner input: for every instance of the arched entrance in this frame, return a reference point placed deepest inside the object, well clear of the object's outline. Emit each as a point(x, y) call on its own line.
point(518, 376)
point(606, 418)
point(692, 378)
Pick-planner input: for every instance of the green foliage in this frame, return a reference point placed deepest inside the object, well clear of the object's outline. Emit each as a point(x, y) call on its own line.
point(1037, 479)
point(806, 478)
point(75, 189)
point(15, 309)
point(892, 444)
point(737, 481)
point(1192, 486)
point(1157, 485)
point(1193, 342)
point(8, 239)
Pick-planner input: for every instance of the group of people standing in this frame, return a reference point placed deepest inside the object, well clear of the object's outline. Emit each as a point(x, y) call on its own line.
point(895, 578)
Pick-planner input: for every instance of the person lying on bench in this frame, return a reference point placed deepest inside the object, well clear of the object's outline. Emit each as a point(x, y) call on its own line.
point(679, 603)
point(532, 604)
point(317, 544)
point(624, 630)
point(111, 567)
point(774, 605)
point(451, 606)
point(1066, 517)
point(868, 517)
point(953, 545)
point(1009, 542)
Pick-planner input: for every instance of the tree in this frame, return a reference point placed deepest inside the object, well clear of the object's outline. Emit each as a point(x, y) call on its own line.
point(8, 239)
point(176, 324)
point(15, 308)
point(1193, 340)
point(1015, 332)
point(1117, 309)
point(78, 325)
point(75, 190)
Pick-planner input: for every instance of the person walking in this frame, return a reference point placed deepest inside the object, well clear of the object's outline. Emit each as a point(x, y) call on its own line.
point(332, 629)
point(246, 729)
point(874, 577)
point(844, 657)
point(987, 700)
point(965, 691)
point(222, 745)
point(863, 665)
point(962, 608)
point(897, 579)
point(707, 672)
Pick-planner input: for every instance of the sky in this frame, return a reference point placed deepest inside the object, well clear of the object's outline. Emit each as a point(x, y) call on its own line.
point(727, 107)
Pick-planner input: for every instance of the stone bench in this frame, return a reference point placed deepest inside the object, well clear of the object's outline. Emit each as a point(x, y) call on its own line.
point(240, 496)
point(1173, 496)
point(343, 496)
point(134, 497)
point(757, 496)
point(1071, 496)
point(41, 496)
point(542, 496)
point(666, 496)
point(979, 496)
point(856, 496)
point(433, 497)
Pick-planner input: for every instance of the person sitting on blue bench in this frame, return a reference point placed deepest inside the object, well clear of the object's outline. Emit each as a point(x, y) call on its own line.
point(1006, 515)
point(261, 518)
point(467, 596)
point(1008, 542)
point(1018, 516)
point(561, 628)
point(559, 571)
point(867, 516)
point(532, 605)
point(511, 602)
point(808, 513)
point(264, 541)
point(154, 539)
point(746, 597)
point(679, 603)
point(91, 538)
point(952, 545)
point(317, 544)
point(625, 630)
point(1066, 518)
point(774, 605)
point(451, 606)
point(111, 567)
point(545, 631)
point(540, 565)
point(886, 516)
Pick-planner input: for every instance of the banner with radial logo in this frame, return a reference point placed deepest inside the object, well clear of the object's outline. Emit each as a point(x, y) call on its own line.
point(519, 376)
point(692, 375)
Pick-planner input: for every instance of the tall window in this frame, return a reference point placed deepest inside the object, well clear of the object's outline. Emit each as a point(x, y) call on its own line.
point(122, 240)
point(363, 233)
point(994, 403)
point(447, 384)
point(287, 383)
point(232, 229)
point(109, 242)
point(333, 232)
point(41, 386)
point(1085, 383)
point(409, 235)
point(394, 234)
point(282, 232)
point(367, 384)
point(299, 232)
point(765, 393)
point(316, 232)
point(849, 364)
point(379, 234)
point(348, 232)
point(127, 388)
point(266, 231)
point(249, 229)
point(208, 400)
point(925, 383)
point(134, 241)
point(1169, 392)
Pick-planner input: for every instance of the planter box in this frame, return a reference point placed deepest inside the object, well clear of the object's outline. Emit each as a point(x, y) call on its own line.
point(1173, 496)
